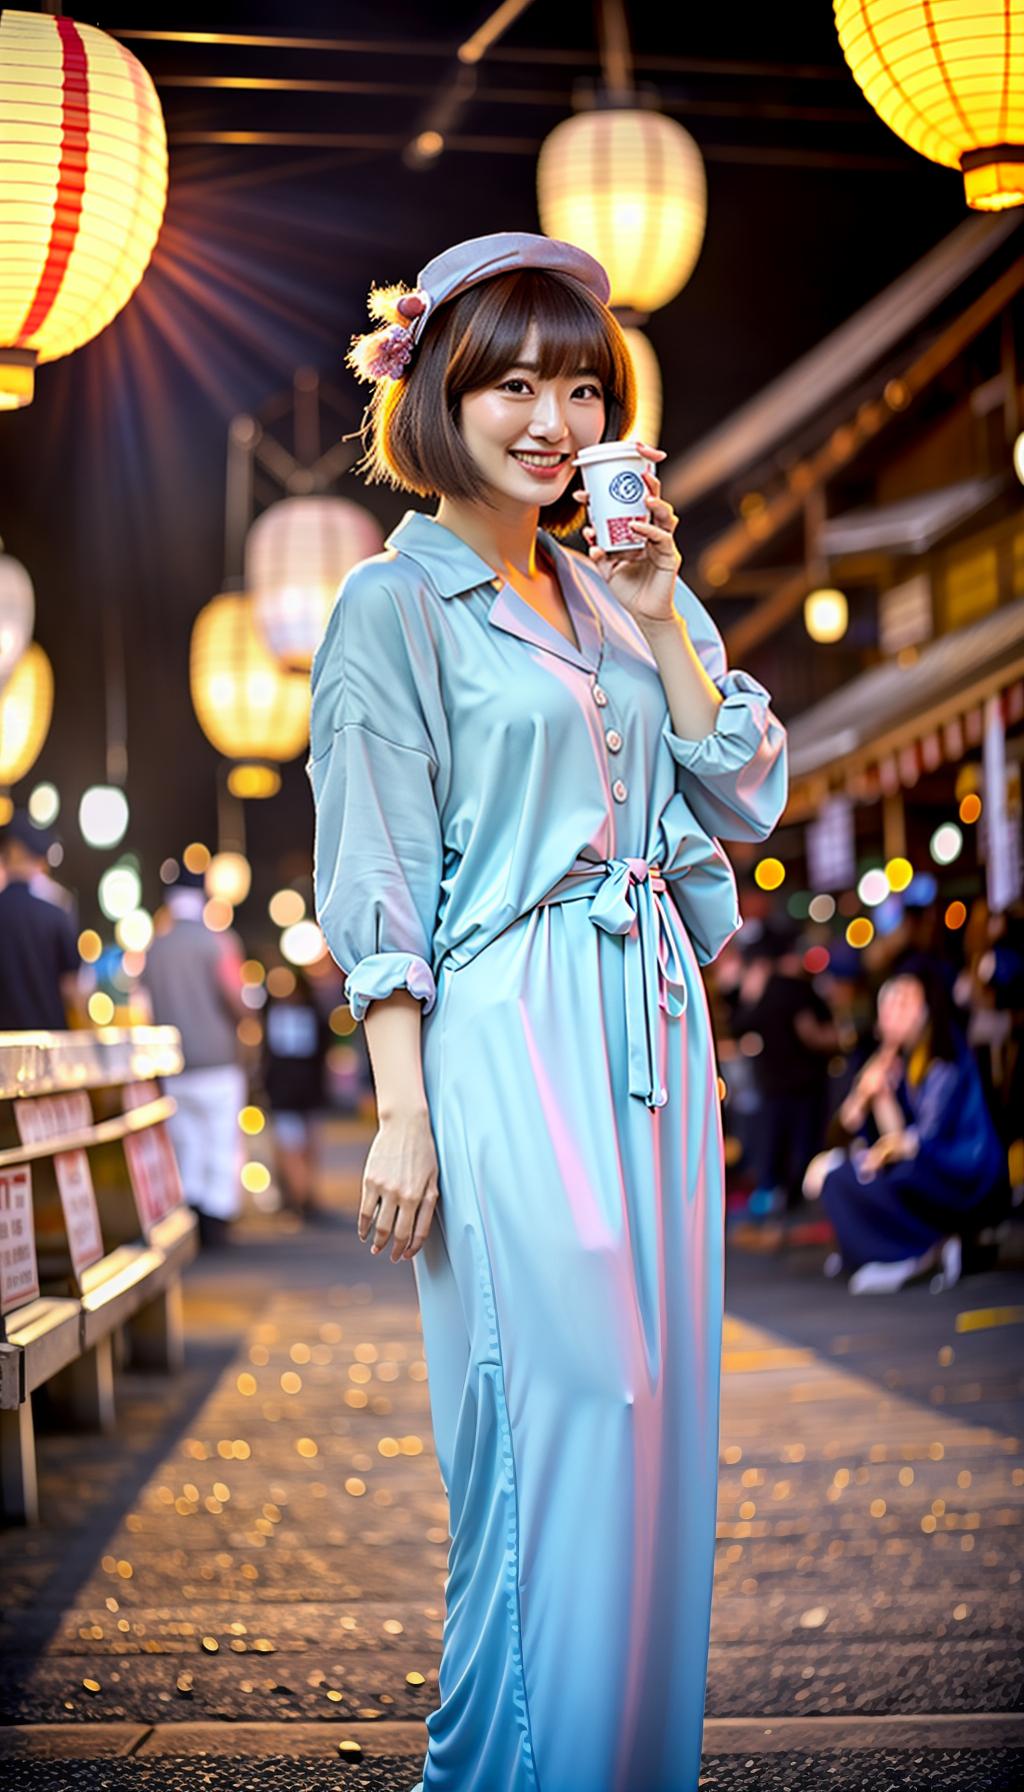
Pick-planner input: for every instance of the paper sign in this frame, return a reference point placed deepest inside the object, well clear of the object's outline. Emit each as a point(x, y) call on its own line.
point(52, 1116)
point(153, 1169)
point(19, 1276)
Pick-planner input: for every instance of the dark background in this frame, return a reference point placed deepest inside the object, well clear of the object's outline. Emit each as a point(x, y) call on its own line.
point(112, 483)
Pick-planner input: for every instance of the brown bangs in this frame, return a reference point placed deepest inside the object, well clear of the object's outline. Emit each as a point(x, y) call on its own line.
point(416, 443)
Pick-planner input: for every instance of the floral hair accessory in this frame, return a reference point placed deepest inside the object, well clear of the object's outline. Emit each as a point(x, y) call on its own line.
point(386, 353)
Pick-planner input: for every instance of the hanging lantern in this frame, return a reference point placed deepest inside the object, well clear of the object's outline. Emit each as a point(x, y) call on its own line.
point(647, 373)
point(948, 77)
point(83, 181)
point(26, 705)
point(296, 555)
point(17, 613)
point(248, 708)
point(629, 187)
point(826, 614)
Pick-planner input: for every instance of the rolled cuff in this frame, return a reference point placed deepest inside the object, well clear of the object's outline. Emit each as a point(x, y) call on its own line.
point(741, 723)
point(735, 777)
point(381, 973)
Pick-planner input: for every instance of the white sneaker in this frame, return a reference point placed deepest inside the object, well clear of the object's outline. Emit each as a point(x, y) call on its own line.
point(952, 1263)
point(882, 1278)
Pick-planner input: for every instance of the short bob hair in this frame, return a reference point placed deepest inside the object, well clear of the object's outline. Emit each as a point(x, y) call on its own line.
point(415, 440)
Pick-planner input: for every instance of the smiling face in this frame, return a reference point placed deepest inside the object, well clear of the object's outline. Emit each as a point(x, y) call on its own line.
point(523, 430)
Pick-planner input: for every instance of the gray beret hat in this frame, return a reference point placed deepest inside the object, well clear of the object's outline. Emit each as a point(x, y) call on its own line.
point(481, 257)
point(386, 353)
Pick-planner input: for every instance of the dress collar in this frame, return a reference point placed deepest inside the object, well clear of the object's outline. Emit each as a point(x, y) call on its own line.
point(454, 568)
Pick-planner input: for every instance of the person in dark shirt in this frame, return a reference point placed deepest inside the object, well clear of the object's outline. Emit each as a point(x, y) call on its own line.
point(797, 1035)
point(39, 958)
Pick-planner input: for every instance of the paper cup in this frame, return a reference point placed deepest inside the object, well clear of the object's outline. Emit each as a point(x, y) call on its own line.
point(613, 475)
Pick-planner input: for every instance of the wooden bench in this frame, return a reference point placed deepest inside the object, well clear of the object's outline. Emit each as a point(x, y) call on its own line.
point(94, 1233)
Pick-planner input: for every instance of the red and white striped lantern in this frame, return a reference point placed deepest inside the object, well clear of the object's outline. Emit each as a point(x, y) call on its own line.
point(83, 183)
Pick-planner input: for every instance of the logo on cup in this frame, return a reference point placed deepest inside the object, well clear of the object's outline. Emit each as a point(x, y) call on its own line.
point(627, 488)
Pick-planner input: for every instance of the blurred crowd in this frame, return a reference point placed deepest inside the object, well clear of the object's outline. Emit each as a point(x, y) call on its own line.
point(882, 1088)
point(876, 1093)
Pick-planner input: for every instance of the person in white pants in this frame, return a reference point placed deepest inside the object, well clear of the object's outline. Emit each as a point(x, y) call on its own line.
point(194, 980)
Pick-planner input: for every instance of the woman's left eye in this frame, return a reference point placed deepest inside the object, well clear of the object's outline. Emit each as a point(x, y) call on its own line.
point(594, 391)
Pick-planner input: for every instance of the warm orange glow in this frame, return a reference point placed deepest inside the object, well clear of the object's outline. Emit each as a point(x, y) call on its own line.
point(955, 916)
point(769, 874)
point(83, 182)
point(970, 808)
point(949, 79)
point(860, 932)
point(647, 422)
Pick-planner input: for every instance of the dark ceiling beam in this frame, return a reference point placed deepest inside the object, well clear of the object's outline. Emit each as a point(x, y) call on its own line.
point(513, 96)
point(568, 58)
point(754, 153)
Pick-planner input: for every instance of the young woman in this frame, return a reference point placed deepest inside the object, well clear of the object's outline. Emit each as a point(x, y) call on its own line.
point(936, 1163)
point(520, 756)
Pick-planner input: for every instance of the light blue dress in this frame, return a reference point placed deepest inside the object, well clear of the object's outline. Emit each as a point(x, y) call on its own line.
point(467, 762)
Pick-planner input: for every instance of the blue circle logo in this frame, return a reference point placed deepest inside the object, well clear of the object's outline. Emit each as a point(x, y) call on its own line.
point(627, 488)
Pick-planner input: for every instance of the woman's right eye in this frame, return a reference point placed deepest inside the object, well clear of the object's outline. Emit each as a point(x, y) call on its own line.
point(513, 382)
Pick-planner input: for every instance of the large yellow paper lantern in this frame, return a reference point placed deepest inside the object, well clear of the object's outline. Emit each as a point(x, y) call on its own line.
point(248, 708)
point(628, 186)
point(948, 77)
point(83, 181)
point(296, 555)
point(26, 705)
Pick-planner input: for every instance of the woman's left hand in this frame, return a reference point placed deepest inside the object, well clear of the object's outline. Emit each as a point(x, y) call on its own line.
point(643, 583)
point(891, 1148)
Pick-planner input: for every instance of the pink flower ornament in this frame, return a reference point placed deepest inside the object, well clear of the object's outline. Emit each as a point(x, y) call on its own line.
point(392, 354)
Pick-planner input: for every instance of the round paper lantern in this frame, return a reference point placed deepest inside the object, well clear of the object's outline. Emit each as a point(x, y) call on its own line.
point(629, 187)
point(17, 614)
point(26, 705)
point(296, 555)
point(647, 422)
point(948, 77)
point(248, 708)
point(83, 180)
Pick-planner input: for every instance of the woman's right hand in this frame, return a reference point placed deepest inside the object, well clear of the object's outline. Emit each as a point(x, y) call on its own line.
point(400, 1185)
point(875, 1076)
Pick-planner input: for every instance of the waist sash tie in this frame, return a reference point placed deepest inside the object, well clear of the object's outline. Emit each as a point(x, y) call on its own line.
point(626, 898)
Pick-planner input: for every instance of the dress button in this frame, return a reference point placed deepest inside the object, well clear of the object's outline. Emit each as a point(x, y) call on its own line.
point(600, 696)
point(614, 740)
point(619, 791)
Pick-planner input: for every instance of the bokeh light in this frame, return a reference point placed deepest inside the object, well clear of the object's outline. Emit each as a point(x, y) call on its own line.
point(898, 873)
point(89, 945)
point(303, 943)
point(103, 815)
point(100, 1008)
point(286, 907)
point(218, 915)
point(821, 907)
point(769, 873)
point(44, 805)
point(860, 932)
point(135, 930)
point(252, 1120)
point(955, 916)
point(970, 808)
point(873, 887)
point(946, 843)
point(120, 891)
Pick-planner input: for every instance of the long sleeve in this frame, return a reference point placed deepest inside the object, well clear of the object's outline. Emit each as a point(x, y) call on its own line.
point(373, 766)
point(735, 778)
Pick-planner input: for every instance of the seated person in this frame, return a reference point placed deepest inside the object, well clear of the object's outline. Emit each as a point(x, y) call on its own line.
point(935, 1168)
